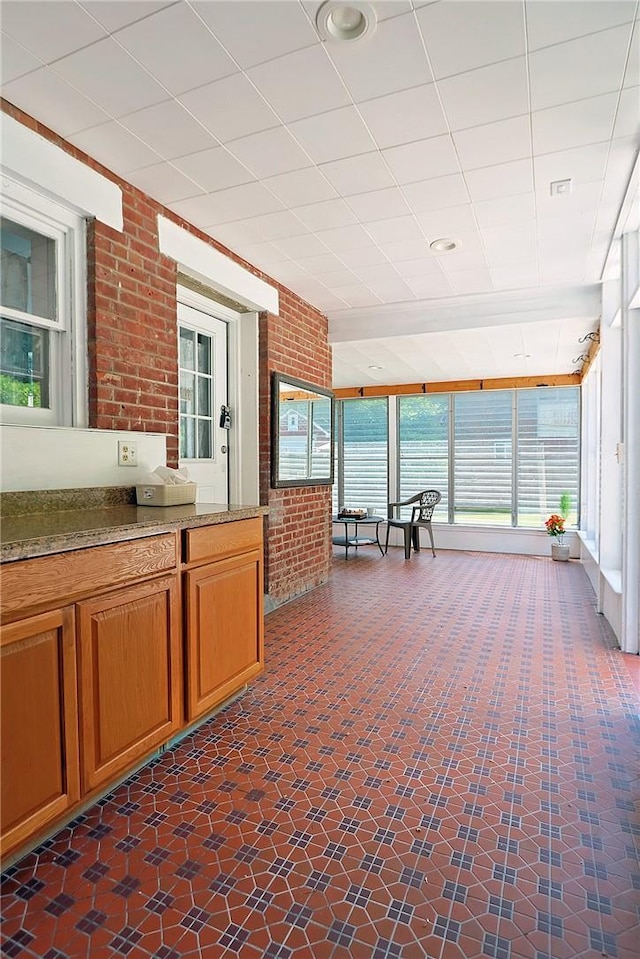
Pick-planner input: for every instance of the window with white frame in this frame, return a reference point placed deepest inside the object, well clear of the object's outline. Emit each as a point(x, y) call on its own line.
point(42, 320)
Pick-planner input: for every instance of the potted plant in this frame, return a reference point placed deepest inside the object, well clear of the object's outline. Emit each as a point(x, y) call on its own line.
point(555, 528)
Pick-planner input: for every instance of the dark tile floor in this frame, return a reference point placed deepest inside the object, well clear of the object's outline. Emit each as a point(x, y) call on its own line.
point(440, 761)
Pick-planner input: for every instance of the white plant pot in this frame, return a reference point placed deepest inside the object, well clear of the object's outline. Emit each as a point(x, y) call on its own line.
point(559, 552)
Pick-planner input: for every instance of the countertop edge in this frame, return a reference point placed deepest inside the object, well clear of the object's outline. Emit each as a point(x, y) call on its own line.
point(145, 525)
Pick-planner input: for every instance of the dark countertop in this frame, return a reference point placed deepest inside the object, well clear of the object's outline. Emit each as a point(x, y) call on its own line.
point(27, 535)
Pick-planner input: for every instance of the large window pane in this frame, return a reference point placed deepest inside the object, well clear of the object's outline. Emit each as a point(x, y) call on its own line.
point(363, 448)
point(483, 457)
point(548, 427)
point(24, 365)
point(28, 270)
point(423, 439)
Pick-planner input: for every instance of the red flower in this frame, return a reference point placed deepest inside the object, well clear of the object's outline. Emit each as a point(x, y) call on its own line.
point(555, 525)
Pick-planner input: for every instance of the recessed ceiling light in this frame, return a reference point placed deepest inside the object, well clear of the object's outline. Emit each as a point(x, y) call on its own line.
point(345, 21)
point(522, 356)
point(372, 366)
point(444, 245)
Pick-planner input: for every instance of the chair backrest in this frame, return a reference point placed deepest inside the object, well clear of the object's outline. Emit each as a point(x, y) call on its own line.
point(429, 499)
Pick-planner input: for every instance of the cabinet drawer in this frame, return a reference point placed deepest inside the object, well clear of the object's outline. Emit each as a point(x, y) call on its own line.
point(226, 539)
point(34, 584)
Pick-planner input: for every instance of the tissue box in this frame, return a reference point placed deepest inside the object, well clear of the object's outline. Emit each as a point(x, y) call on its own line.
point(164, 495)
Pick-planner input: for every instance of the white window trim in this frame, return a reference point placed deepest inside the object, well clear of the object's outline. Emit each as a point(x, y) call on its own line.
point(68, 365)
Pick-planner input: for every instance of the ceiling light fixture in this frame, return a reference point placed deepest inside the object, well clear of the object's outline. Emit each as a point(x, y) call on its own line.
point(345, 21)
point(444, 245)
point(522, 356)
point(372, 366)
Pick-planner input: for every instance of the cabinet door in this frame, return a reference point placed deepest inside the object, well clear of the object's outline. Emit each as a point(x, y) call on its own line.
point(39, 775)
point(130, 676)
point(225, 629)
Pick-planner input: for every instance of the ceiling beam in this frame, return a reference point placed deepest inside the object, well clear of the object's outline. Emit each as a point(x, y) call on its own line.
point(459, 386)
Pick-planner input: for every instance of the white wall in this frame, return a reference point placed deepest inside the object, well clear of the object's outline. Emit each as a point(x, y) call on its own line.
point(34, 457)
point(490, 539)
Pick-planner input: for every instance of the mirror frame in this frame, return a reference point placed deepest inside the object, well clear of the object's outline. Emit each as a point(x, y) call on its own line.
point(277, 380)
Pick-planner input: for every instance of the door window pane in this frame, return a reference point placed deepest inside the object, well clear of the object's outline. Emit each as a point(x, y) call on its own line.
point(423, 437)
point(196, 391)
point(204, 439)
point(187, 438)
point(28, 270)
point(482, 457)
point(204, 353)
point(187, 349)
point(204, 396)
point(24, 365)
point(187, 392)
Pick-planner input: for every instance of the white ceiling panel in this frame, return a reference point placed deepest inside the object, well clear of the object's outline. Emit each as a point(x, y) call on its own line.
point(331, 167)
point(393, 60)
point(464, 35)
point(559, 74)
point(402, 117)
point(230, 108)
point(486, 95)
point(169, 130)
point(153, 43)
point(50, 30)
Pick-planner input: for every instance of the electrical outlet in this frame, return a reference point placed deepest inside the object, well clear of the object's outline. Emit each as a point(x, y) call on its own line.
point(127, 453)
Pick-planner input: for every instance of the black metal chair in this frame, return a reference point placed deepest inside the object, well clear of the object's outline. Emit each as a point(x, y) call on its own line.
point(421, 515)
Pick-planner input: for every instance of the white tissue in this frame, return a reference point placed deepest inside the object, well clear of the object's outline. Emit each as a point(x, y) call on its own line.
point(165, 476)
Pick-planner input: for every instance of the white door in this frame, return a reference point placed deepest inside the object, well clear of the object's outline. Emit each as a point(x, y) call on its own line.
point(203, 392)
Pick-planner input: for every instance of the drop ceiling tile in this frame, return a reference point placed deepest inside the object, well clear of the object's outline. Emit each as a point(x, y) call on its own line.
point(164, 183)
point(15, 60)
point(632, 72)
point(556, 248)
point(305, 247)
point(449, 221)
point(111, 78)
point(620, 162)
point(50, 30)
point(517, 277)
point(230, 108)
point(269, 153)
point(357, 295)
point(462, 263)
point(400, 250)
point(248, 200)
point(169, 130)
point(378, 205)
point(424, 267)
point(574, 124)
point(276, 226)
point(242, 236)
point(627, 123)
point(300, 84)
point(584, 198)
point(413, 161)
point(198, 60)
point(262, 254)
point(471, 281)
point(315, 293)
point(382, 271)
point(360, 174)
point(322, 263)
point(363, 256)
point(464, 35)
point(117, 148)
point(339, 278)
point(301, 187)
point(213, 169)
point(581, 164)
point(493, 143)
point(579, 225)
point(392, 59)
point(558, 75)
point(508, 209)
point(551, 23)
point(395, 229)
point(436, 194)
point(325, 215)
point(277, 28)
point(333, 135)
point(406, 116)
point(504, 247)
point(485, 95)
point(430, 285)
point(113, 16)
point(392, 291)
point(503, 179)
point(43, 93)
point(345, 238)
point(201, 210)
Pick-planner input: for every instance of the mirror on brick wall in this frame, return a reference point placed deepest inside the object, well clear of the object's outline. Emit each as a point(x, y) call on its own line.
point(301, 433)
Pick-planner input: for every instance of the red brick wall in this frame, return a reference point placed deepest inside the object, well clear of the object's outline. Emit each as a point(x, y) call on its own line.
point(133, 379)
point(299, 532)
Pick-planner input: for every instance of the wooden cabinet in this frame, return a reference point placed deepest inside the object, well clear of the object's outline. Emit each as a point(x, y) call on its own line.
point(224, 612)
point(130, 676)
point(40, 779)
